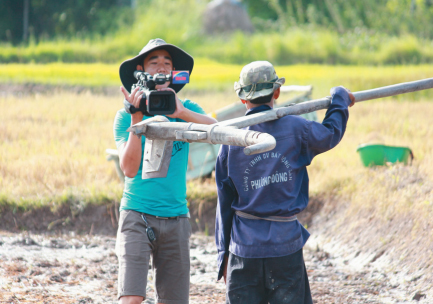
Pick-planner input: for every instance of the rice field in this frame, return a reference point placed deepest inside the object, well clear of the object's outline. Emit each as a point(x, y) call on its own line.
point(52, 147)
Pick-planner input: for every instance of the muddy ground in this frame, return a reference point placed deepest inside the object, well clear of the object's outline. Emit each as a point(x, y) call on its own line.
point(83, 269)
point(75, 262)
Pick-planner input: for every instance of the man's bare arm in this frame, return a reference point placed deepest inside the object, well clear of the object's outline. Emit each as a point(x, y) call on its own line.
point(191, 116)
point(130, 152)
point(188, 115)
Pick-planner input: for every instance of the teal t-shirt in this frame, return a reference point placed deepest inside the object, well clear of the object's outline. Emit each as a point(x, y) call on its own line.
point(157, 196)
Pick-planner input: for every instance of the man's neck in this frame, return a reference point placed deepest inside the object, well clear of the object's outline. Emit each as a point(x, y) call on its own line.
point(249, 105)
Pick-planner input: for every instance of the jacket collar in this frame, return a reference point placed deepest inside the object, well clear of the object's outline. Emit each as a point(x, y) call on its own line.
point(258, 109)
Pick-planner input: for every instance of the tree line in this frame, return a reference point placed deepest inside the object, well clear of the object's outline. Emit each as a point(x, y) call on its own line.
point(48, 19)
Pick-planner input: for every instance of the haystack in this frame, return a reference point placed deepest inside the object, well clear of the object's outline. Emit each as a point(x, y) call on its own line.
point(224, 16)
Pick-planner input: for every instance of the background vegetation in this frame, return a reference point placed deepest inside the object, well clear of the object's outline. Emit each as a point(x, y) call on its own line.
point(287, 32)
point(210, 77)
point(48, 19)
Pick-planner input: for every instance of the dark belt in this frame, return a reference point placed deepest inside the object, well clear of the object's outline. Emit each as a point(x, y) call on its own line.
point(169, 217)
point(272, 218)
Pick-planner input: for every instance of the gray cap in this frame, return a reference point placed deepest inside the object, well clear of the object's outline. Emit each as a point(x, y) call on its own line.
point(257, 79)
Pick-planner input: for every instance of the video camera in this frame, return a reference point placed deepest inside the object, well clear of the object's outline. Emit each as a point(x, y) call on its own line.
point(158, 102)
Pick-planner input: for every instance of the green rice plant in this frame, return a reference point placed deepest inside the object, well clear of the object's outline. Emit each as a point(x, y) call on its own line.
point(95, 74)
point(211, 76)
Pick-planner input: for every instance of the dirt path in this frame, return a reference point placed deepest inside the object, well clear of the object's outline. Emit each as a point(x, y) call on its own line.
point(69, 269)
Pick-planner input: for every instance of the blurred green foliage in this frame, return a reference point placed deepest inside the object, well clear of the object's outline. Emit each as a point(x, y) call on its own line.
point(287, 32)
point(391, 17)
point(48, 19)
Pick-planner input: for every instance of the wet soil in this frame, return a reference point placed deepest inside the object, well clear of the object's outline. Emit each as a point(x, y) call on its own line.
point(74, 260)
point(395, 263)
point(83, 269)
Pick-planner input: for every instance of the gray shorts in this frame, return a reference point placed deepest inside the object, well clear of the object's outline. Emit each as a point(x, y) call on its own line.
point(170, 257)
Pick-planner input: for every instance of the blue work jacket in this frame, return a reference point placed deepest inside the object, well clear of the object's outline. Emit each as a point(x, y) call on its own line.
point(274, 183)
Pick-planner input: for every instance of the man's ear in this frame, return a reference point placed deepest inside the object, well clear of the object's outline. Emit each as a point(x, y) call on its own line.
point(277, 93)
point(139, 67)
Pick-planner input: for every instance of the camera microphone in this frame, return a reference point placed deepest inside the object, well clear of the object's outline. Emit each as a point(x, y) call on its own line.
point(138, 74)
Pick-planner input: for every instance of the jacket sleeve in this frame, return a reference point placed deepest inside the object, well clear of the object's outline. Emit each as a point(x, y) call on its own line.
point(325, 136)
point(224, 212)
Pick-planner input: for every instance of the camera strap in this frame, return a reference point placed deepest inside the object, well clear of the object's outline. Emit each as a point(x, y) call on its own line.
point(129, 108)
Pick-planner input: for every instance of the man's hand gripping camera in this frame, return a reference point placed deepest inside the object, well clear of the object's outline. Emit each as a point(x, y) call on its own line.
point(156, 102)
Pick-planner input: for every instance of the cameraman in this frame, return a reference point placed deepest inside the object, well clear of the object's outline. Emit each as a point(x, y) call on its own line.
point(159, 203)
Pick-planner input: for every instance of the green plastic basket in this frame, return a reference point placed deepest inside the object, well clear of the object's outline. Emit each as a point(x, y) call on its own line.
point(379, 155)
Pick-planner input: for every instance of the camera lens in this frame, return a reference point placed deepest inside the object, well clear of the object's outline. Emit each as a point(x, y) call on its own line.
point(161, 102)
point(158, 102)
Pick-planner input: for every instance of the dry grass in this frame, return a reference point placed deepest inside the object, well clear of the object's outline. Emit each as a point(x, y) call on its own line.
point(386, 191)
point(387, 209)
point(53, 147)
